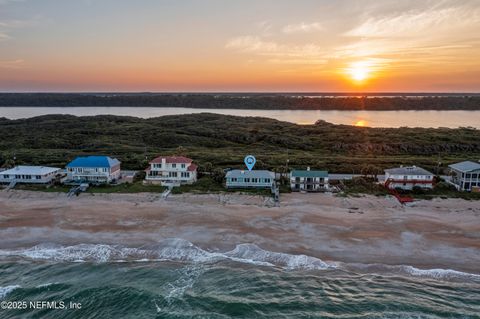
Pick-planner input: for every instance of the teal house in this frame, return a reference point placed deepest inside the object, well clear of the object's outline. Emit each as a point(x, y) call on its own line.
point(308, 180)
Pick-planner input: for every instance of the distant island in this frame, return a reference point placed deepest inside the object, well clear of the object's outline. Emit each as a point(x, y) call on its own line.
point(254, 101)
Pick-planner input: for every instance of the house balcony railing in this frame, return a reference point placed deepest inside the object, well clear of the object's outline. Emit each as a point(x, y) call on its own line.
point(88, 173)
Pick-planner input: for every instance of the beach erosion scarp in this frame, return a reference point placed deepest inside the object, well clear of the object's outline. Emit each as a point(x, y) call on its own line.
point(440, 234)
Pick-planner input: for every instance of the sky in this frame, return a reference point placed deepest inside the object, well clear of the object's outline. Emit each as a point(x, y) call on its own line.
point(240, 46)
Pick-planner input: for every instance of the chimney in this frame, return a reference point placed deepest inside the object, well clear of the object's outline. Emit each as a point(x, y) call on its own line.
point(164, 162)
point(308, 168)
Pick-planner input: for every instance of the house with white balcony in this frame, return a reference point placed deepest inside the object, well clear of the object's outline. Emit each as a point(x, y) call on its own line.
point(466, 176)
point(29, 175)
point(308, 180)
point(93, 170)
point(250, 179)
point(171, 171)
point(408, 177)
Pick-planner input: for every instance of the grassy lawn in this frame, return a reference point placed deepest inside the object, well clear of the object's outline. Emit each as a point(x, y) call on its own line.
point(136, 187)
point(361, 186)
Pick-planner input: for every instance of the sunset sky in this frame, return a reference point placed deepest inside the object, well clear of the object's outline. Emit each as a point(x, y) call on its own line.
point(244, 45)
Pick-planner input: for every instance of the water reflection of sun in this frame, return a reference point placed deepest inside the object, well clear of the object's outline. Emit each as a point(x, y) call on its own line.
point(361, 123)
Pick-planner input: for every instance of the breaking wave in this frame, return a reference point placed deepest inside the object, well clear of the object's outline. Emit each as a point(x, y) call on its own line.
point(4, 291)
point(179, 250)
point(170, 250)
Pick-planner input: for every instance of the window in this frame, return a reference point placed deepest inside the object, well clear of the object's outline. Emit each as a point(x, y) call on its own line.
point(174, 165)
point(185, 174)
point(267, 180)
point(254, 180)
point(38, 177)
point(468, 175)
point(233, 179)
point(474, 176)
point(247, 180)
point(183, 165)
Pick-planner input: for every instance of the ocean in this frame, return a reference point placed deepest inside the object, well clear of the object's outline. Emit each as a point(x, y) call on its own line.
point(176, 279)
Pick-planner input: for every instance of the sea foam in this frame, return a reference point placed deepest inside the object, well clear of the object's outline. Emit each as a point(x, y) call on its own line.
point(180, 250)
point(4, 291)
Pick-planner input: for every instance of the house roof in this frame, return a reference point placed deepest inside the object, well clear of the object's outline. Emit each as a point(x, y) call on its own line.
point(408, 170)
point(250, 174)
point(307, 173)
point(30, 170)
point(192, 168)
point(94, 161)
point(466, 166)
point(172, 160)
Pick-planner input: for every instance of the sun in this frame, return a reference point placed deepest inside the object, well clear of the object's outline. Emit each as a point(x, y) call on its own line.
point(359, 71)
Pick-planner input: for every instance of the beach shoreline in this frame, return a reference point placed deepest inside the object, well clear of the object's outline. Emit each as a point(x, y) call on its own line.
point(441, 233)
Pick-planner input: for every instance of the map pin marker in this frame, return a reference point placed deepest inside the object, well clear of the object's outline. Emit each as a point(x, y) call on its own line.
point(250, 162)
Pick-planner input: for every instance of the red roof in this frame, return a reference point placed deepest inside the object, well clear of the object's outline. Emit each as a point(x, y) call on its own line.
point(192, 168)
point(172, 160)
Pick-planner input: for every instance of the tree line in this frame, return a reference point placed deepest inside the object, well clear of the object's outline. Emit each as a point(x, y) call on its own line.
point(235, 101)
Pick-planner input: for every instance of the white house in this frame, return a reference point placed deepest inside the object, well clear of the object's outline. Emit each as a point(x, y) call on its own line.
point(93, 169)
point(407, 178)
point(250, 179)
point(171, 171)
point(308, 180)
point(29, 174)
point(466, 175)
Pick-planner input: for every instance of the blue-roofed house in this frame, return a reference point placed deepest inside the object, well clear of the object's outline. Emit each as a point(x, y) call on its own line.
point(308, 180)
point(93, 169)
point(466, 175)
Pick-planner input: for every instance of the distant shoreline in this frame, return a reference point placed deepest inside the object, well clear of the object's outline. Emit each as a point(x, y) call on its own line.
point(251, 101)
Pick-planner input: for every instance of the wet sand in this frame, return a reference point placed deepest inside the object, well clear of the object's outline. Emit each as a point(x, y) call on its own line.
point(428, 234)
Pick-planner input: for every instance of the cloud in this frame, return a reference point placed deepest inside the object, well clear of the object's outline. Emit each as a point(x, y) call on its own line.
point(256, 45)
point(12, 64)
point(6, 26)
point(302, 28)
point(251, 44)
point(412, 23)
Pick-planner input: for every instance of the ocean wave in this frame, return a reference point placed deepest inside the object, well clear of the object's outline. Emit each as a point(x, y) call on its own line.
point(180, 250)
point(406, 270)
point(4, 291)
point(256, 254)
point(438, 273)
point(169, 250)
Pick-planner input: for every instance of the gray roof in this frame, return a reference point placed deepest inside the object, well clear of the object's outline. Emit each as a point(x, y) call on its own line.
point(466, 166)
point(308, 173)
point(408, 170)
point(249, 174)
point(30, 170)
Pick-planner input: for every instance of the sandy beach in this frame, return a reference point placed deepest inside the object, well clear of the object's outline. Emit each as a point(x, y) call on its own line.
point(442, 233)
